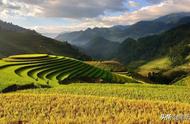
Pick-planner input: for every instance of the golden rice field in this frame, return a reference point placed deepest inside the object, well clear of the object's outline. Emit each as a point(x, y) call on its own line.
point(71, 109)
point(97, 104)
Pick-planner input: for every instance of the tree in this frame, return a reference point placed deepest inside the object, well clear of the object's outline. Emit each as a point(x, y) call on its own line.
point(178, 53)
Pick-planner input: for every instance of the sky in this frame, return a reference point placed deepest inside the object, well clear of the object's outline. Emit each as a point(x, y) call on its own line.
point(51, 17)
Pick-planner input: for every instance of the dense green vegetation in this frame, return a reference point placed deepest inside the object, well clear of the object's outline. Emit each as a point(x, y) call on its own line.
point(179, 53)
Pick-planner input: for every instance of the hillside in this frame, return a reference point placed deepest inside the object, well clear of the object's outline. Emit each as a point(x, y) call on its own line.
point(120, 33)
point(113, 66)
point(100, 48)
point(150, 47)
point(17, 40)
point(11, 27)
point(49, 71)
point(156, 65)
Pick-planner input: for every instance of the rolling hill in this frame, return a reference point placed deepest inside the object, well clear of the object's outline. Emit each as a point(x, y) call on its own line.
point(18, 40)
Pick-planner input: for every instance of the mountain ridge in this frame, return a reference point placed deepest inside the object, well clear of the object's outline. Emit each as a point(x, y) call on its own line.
point(120, 33)
point(17, 40)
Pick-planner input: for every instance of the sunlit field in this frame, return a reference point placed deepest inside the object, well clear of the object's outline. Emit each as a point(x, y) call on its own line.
point(33, 92)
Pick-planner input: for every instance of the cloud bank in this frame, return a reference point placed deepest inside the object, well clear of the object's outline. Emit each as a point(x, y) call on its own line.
point(90, 13)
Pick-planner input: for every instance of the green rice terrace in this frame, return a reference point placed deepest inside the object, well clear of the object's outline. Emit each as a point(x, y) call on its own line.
point(43, 70)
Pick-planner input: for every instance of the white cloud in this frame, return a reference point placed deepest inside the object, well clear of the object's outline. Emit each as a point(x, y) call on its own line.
point(67, 8)
point(132, 3)
point(10, 9)
point(146, 13)
point(89, 13)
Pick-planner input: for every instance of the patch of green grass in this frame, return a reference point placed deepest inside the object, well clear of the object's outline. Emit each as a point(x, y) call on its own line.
point(29, 56)
point(156, 65)
point(184, 81)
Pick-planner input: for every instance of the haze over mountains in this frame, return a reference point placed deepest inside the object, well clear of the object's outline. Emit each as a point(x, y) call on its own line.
point(154, 46)
point(108, 43)
point(18, 40)
point(120, 33)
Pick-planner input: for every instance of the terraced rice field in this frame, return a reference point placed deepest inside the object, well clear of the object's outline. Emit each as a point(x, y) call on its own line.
point(50, 70)
point(113, 66)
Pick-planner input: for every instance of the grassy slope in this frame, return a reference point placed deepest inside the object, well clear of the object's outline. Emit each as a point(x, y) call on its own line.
point(163, 65)
point(156, 65)
point(184, 81)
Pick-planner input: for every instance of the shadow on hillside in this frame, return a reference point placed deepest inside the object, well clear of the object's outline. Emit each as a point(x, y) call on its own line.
point(82, 80)
point(16, 87)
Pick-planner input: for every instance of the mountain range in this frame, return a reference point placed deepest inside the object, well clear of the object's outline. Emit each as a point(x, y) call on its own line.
point(145, 48)
point(96, 42)
point(120, 33)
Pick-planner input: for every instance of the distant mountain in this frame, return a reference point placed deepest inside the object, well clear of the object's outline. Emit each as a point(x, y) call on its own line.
point(100, 48)
point(173, 18)
point(80, 38)
point(120, 33)
point(155, 46)
point(18, 40)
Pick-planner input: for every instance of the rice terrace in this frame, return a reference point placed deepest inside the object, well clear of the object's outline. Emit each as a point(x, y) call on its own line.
point(94, 61)
point(49, 70)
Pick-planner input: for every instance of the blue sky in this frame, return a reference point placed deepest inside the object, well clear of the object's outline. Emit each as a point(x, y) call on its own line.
point(56, 16)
